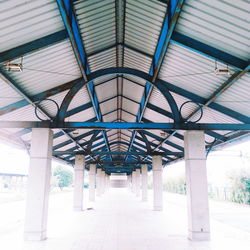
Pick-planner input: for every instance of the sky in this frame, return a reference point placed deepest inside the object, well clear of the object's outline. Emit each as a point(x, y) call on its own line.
point(16, 161)
point(219, 163)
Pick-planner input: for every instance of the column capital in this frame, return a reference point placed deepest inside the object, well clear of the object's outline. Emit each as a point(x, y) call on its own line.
point(144, 167)
point(92, 169)
point(157, 162)
point(79, 162)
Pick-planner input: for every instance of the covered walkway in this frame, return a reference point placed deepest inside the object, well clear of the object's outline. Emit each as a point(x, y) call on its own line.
point(120, 221)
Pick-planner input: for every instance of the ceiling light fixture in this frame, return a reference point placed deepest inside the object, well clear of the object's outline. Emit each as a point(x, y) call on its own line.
point(14, 67)
point(225, 71)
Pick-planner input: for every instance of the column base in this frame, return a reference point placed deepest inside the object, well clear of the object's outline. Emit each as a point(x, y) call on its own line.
point(35, 236)
point(157, 208)
point(198, 236)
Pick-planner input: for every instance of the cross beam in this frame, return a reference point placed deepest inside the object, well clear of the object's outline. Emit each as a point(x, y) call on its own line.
point(123, 125)
point(93, 153)
point(69, 18)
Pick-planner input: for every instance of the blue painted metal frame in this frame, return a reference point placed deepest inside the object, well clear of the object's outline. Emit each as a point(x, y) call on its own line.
point(209, 51)
point(68, 114)
point(165, 86)
point(125, 125)
point(109, 71)
point(33, 46)
point(168, 114)
point(66, 9)
point(119, 44)
point(38, 97)
point(169, 22)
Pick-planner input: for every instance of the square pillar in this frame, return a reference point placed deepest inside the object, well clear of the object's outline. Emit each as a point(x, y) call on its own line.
point(92, 172)
point(137, 182)
point(157, 182)
point(196, 184)
point(78, 182)
point(36, 215)
point(133, 181)
point(106, 181)
point(98, 182)
point(144, 172)
point(103, 179)
point(129, 182)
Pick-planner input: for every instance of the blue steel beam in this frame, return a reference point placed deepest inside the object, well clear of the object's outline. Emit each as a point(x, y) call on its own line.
point(78, 138)
point(125, 125)
point(33, 46)
point(14, 85)
point(209, 51)
point(169, 22)
point(111, 71)
point(159, 139)
point(68, 114)
point(95, 152)
point(66, 9)
point(168, 114)
point(172, 88)
point(163, 86)
point(113, 97)
point(166, 151)
point(119, 44)
point(38, 97)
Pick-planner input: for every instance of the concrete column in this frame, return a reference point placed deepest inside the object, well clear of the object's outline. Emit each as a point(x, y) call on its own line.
point(196, 183)
point(98, 182)
point(35, 225)
point(103, 182)
point(144, 172)
point(106, 181)
point(92, 172)
point(133, 181)
point(157, 182)
point(78, 182)
point(137, 182)
point(129, 182)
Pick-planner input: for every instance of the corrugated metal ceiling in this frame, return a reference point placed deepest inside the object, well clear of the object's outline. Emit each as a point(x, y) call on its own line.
point(130, 35)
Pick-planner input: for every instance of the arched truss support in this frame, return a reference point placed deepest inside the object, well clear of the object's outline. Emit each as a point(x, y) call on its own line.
point(125, 71)
point(145, 139)
point(92, 139)
point(123, 143)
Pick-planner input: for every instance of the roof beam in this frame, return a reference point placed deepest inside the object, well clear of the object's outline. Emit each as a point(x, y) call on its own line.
point(166, 151)
point(33, 46)
point(93, 153)
point(208, 51)
point(68, 114)
point(168, 114)
point(119, 44)
point(193, 97)
point(161, 139)
point(78, 138)
point(169, 22)
point(38, 97)
point(13, 84)
point(124, 125)
point(66, 9)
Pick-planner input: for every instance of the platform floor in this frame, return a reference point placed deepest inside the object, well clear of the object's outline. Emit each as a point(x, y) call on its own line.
point(120, 221)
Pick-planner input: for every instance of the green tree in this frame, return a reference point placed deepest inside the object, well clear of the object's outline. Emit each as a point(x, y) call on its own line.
point(64, 176)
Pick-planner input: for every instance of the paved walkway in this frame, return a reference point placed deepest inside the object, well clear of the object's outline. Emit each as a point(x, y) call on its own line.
point(120, 221)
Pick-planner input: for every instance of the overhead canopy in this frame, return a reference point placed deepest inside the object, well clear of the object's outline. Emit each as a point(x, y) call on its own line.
point(140, 62)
